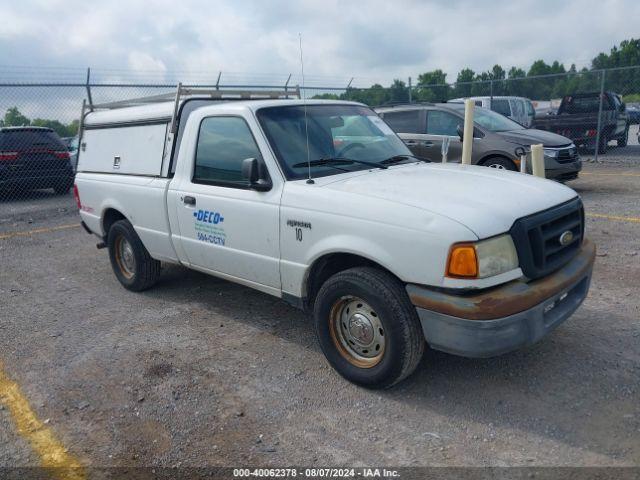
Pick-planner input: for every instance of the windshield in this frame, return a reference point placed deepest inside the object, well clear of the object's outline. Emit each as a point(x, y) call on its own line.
point(335, 132)
point(494, 121)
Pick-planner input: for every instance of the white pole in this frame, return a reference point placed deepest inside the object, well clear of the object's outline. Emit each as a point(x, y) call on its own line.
point(467, 136)
point(523, 163)
point(445, 149)
point(537, 160)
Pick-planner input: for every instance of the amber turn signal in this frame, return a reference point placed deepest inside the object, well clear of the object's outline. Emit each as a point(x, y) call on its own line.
point(463, 262)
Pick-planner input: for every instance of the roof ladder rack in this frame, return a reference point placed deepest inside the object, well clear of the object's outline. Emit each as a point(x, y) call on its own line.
point(215, 93)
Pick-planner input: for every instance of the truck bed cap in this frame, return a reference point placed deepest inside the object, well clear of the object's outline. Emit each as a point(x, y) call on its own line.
point(157, 111)
point(163, 111)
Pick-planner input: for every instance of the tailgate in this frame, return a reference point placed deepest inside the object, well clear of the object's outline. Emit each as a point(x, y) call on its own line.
point(571, 126)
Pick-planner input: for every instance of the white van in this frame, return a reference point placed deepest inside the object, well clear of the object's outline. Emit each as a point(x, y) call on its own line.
point(519, 109)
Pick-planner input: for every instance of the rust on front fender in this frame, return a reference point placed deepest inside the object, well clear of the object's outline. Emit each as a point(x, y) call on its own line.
point(511, 298)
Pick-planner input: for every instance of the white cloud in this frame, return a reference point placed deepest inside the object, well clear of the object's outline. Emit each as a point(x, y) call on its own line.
point(373, 40)
point(143, 62)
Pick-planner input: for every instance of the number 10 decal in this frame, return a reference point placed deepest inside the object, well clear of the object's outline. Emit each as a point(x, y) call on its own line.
point(299, 234)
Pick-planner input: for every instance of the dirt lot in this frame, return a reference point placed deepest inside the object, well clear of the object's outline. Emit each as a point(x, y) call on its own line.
point(199, 371)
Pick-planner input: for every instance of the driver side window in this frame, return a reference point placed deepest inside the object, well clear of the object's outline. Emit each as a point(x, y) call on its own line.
point(223, 144)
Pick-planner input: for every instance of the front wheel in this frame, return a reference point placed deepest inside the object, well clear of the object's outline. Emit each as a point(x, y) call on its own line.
point(500, 163)
point(367, 328)
point(133, 266)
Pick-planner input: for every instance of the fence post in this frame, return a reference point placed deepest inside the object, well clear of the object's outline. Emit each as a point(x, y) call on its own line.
point(491, 93)
point(410, 90)
point(89, 89)
point(599, 115)
point(286, 87)
point(346, 91)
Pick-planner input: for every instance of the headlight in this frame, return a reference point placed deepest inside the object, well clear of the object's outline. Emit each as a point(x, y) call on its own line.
point(550, 152)
point(482, 259)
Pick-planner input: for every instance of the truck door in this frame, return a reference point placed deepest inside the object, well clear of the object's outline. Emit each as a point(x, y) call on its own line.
point(224, 226)
point(621, 118)
point(518, 111)
point(501, 106)
point(531, 113)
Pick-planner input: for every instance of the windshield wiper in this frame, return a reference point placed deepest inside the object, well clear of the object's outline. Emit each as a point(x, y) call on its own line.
point(400, 158)
point(336, 161)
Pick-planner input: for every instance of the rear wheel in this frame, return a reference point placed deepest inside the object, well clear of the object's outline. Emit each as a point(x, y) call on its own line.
point(61, 189)
point(500, 163)
point(133, 266)
point(63, 186)
point(604, 144)
point(624, 139)
point(367, 327)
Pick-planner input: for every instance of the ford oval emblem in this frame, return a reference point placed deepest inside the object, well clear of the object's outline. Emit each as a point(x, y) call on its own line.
point(566, 238)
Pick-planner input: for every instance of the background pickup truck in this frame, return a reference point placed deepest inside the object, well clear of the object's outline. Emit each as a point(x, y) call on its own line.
point(577, 119)
point(321, 204)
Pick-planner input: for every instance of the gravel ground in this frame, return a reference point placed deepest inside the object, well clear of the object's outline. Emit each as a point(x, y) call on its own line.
point(202, 372)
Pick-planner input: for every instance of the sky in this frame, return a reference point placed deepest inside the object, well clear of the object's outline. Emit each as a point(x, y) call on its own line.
point(257, 41)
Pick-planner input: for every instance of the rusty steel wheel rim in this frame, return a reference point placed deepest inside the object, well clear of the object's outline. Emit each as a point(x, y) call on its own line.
point(124, 257)
point(357, 332)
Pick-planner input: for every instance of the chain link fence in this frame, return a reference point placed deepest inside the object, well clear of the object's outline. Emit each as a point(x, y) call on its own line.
point(39, 120)
point(600, 112)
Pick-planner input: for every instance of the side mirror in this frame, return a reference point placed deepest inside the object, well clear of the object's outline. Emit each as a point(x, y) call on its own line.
point(252, 172)
point(476, 133)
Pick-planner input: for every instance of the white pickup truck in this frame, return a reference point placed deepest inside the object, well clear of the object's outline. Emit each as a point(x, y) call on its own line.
point(321, 204)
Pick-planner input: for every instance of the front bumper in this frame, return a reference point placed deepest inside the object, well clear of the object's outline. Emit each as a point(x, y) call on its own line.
point(562, 171)
point(504, 318)
point(45, 179)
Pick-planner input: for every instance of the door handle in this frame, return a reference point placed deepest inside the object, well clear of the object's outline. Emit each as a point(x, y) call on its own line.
point(422, 143)
point(189, 200)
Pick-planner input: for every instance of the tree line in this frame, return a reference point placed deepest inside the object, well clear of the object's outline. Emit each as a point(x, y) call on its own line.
point(542, 81)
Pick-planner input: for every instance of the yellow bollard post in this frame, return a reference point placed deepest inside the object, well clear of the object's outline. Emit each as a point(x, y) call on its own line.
point(467, 136)
point(537, 160)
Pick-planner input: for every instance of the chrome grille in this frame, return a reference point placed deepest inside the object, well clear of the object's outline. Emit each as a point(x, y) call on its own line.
point(567, 154)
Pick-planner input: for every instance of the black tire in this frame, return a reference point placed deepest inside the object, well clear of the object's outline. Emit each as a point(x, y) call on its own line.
point(604, 144)
point(133, 266)
point(400, 331)
point(499, 163)
point(624, 139)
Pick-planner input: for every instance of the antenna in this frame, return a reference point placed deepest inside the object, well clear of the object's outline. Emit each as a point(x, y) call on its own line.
point(306, 122)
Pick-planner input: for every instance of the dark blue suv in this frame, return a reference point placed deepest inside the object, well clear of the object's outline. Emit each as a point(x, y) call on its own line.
point(34, 158)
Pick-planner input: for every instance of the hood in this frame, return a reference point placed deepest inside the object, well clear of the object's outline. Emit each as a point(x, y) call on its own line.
point(485, 200)
point(531, 136)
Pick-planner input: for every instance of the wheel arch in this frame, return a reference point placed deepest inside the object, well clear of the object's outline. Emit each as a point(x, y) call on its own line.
point(110, 216)
point(327, 265)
